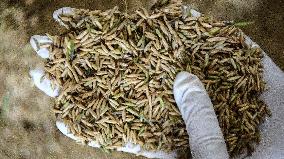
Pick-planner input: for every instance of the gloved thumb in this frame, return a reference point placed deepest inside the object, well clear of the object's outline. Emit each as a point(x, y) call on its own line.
point(205, 136)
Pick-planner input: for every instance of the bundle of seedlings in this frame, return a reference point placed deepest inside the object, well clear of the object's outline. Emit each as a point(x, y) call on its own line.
point(116, 72)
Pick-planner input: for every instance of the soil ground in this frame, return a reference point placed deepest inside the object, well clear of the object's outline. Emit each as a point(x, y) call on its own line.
point(27, 126)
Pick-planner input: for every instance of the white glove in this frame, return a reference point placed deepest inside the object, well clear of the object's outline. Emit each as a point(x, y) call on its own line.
point(205, 136)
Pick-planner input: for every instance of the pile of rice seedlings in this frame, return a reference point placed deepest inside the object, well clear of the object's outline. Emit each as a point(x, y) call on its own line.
point(116, 73)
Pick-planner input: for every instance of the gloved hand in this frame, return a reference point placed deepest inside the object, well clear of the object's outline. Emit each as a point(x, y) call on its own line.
point(206, 140)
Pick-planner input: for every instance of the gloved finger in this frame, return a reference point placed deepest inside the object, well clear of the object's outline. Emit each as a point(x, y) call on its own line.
point(187, 10)
point(63, 12)
point(205, 136)
point(43, 83)
point(129, 147)
point(40, 44)
point(64, 130)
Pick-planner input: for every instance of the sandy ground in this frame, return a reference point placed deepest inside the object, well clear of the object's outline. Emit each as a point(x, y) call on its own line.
point(27, 126)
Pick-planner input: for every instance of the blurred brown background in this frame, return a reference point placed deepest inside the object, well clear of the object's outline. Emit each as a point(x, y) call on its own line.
point(27, 126)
